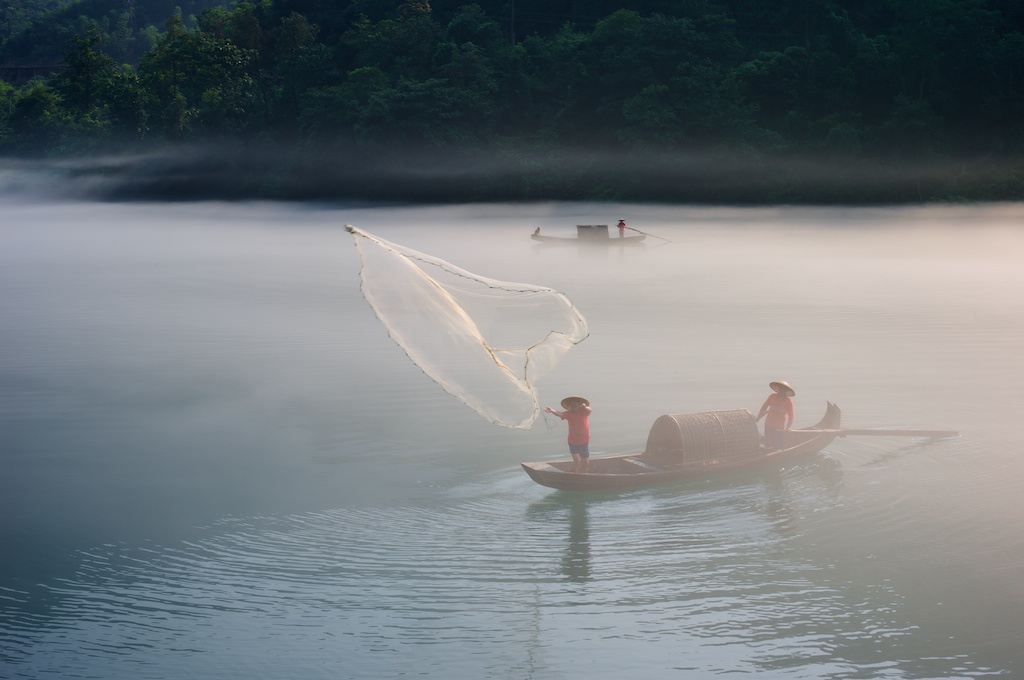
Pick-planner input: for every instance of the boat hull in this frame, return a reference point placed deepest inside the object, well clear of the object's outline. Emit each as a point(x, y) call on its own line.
point(637, 470)
point(589, 241)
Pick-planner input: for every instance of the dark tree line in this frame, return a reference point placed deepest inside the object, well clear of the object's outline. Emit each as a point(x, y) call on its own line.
point(836, 100)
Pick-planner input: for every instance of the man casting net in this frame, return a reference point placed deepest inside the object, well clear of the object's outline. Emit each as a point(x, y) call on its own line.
point(486, 342)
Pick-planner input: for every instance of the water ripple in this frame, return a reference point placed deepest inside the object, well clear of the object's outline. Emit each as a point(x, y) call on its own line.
point(708, 568)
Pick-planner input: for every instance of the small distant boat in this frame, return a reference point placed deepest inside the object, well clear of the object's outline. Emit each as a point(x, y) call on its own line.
point(694, 445)
point(590, 234)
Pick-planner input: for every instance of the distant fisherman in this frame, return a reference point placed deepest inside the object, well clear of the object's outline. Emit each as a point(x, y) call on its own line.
point(779, 409)
point(622, 228)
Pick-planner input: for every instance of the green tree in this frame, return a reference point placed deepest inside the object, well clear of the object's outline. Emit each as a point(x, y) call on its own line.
point(86, 78)
point(197, 82)
point(401, 46)
point(348, 113)
point(37, 120)
point(949, 61)
point(127, 103)
point(7, 93)
point(302, 64)
point(555, 82)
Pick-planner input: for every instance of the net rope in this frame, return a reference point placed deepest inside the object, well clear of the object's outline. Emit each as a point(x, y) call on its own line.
point(486, 342)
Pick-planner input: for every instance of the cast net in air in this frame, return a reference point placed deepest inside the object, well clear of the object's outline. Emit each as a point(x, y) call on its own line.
point(486, 342)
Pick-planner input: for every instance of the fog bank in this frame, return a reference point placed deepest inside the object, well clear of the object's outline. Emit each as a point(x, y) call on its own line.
point(272, 172)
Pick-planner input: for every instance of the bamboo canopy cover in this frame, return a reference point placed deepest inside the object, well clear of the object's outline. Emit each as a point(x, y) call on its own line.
point(706, 436)
point(592, 231)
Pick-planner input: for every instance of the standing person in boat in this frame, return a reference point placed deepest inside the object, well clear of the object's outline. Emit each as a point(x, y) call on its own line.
point(622, 228)
point(779, 409)
point(577, 412)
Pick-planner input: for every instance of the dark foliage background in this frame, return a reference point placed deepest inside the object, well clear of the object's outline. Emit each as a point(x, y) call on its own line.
point(655, 100)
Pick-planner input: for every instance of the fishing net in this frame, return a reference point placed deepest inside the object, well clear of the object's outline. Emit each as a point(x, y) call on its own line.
point(486, 342)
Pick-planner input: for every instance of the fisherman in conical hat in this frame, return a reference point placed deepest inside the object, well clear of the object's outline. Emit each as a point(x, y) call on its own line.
point(779, 409)
point(577, 413)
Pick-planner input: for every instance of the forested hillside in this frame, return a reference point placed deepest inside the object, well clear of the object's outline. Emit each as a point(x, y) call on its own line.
point(679, 100)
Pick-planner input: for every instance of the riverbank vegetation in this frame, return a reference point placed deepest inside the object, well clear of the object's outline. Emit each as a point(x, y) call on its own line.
point(655, 100)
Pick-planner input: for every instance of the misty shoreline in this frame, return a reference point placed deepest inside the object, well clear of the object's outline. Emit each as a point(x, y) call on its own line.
point(240, 172)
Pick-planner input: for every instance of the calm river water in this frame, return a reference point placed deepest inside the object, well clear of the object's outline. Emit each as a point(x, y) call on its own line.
point(217, 465)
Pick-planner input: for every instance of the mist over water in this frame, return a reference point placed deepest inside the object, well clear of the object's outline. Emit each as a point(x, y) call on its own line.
point(269, 171)
point(217, 464)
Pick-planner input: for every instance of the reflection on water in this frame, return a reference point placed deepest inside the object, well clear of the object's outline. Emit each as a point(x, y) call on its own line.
point(811, 485)
point(576, 562)
point(571, 511)
point(217, 465)
point(713, 574)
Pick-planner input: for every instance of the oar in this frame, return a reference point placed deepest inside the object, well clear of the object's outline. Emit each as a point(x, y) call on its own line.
point(646, 234)
point(895, 433)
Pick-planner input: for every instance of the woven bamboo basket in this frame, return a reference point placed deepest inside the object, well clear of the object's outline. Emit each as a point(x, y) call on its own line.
point(703, 437)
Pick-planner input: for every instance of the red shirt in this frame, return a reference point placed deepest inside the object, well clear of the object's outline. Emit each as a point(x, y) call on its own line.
point(579, 426)
point(779, 408)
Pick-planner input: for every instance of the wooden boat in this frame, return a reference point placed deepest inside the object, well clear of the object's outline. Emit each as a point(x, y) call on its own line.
point(687, 446)
point(694, 445)
point(590, 235)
